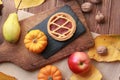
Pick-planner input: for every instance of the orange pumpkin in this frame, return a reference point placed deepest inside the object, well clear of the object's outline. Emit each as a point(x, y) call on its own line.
point(35, 41)
point(49, 72)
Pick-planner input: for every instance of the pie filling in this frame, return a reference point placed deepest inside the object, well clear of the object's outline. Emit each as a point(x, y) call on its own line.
point(61, 30)
point(68, 25)
point(53, 27)
point(60, 21)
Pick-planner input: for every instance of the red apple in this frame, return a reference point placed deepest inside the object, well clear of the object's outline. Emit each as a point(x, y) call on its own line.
point(79, 62)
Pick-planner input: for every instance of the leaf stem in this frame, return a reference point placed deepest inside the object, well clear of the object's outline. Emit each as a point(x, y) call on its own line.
point(18, 6)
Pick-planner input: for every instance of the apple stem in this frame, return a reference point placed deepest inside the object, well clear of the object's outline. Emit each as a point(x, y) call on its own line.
point(81, 63)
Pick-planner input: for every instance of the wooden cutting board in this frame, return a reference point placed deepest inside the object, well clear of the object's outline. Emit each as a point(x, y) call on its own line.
point(19, 55)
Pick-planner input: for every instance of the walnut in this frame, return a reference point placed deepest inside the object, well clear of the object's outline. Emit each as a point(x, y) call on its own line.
point(99, 17)
point(86, 7)
point(102, 50)
point(96, 1)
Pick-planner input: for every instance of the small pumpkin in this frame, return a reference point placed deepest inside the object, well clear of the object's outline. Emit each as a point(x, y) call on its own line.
point(35, 41)
point(49, 72)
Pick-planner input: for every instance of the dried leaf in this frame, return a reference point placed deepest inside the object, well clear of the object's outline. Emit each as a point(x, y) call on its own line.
point(4, 76)
point(92, 74)
point(28, 3)
point(112, 42)
point(0, 1)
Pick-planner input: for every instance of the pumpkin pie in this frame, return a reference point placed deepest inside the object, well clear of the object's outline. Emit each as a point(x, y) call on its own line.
point(61, 26)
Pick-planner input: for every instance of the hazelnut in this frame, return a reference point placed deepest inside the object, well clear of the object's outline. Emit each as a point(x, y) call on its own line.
point(99, 17)
point(86, 7)
point(102, 50)
point(96, 1)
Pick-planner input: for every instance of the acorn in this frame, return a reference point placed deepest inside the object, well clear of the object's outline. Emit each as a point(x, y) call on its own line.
point(99, 17)
point(86, 7)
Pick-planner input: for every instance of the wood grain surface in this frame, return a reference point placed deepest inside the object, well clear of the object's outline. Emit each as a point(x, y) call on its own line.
point(19, 55)
point(110, 8)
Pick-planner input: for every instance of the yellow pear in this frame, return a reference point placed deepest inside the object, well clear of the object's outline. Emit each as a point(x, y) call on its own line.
point(11, 28)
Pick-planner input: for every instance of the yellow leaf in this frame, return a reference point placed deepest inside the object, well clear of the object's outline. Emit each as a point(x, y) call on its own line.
point(112, 43)
point(92, 74)
point(28, 3)
point(0, 2)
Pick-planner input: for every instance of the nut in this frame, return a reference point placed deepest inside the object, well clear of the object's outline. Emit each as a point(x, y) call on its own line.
point(102, 50)
point(96, 1)
point(86, 7)
point(99, 17)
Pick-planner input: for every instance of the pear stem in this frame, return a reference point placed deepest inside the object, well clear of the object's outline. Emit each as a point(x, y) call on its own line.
point(18, 6)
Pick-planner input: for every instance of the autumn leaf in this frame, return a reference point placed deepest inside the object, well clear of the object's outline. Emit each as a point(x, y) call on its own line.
point(112, 43)
point(92, 74)
point(28, 3)
point(0, 2)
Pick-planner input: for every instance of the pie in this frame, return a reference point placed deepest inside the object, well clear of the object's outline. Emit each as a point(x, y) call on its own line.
point(61, 26)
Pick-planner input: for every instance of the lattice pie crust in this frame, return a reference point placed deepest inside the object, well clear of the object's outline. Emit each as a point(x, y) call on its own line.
point(61, 26)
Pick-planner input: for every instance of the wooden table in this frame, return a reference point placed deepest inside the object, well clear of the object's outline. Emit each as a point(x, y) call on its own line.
point(110, 8)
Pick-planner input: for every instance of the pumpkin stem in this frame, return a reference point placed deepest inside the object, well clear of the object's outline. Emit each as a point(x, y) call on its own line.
point(50, 78)
point(34, 40)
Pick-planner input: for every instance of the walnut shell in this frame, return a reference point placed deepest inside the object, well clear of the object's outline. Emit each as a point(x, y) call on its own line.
point(102, 50)
point(99, 17)
point(86, 7)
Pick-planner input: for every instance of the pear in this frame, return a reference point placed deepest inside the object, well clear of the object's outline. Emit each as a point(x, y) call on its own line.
point(11, 28)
